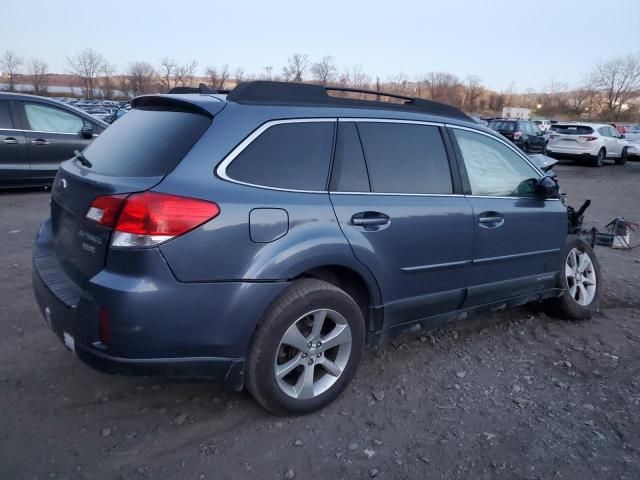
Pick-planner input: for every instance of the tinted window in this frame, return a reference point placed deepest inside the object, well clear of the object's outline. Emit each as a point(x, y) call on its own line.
point(293, 156)
point(572, 129)
point(44, 118)
point(349, 169)
point(5, 115)
point(146, 143)
point(492, 167)
point(405, 158)
point(503, 126)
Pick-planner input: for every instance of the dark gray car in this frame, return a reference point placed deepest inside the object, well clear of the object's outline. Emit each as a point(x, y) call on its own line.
point(265, 236)
point(37, 134)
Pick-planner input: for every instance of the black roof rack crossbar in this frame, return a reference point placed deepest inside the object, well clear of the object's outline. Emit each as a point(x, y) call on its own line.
point(202, 88)
point(370, 92)
point(262, 92)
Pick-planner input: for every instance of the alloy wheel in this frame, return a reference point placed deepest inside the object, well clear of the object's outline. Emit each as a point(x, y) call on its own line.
point(312, 354)
point(581, 277)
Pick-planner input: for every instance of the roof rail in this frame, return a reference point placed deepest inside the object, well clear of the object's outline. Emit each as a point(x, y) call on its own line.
point(263, 92)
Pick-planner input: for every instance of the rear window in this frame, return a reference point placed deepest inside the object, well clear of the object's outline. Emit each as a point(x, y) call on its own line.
point(571, 129)
point(503, 126)
point(294, 156)
point(146, 143)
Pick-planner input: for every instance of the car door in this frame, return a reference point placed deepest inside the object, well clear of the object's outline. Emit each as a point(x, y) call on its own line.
point(537, 137)
point(518, 236)
point(14, 164)
point(616, 141)
point(52, 136)
point(396, 203)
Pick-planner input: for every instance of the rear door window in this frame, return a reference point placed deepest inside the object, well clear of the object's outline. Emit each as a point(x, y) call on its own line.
point(293, 156)
point(405, 158)
point(146, 143)
point(349, 170)
point(5, 115)
point(44, 118)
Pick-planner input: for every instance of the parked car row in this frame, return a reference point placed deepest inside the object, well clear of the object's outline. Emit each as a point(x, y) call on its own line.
point(105, 110)
point(38, 133)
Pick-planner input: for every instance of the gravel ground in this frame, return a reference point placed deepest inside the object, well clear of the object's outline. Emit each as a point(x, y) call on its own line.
point(510, 395)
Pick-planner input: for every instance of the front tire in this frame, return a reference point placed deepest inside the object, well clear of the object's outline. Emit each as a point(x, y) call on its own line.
point(306, 349)
point(581, 281)
point(623, 157)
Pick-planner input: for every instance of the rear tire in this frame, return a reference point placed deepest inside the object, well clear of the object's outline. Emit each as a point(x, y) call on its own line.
point(598, 160)
point(623, 157)
point(580, 280)
point(306, 349)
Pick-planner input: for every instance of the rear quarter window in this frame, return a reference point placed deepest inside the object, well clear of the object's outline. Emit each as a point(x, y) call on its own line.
point(146, 143)
point(292, 156)
point(5, 115)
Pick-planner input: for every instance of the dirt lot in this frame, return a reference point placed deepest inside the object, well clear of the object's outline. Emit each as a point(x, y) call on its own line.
point(511, 395)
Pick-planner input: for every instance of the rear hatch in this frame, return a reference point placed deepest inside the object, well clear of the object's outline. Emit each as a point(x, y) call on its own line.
point(571, 136)
point(133, 155)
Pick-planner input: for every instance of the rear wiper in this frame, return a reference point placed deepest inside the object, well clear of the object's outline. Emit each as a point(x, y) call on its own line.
point(82, 159)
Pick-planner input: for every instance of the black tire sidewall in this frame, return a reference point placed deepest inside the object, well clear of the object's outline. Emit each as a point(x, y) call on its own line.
point(623, 157)
point(599, 160)
point(261, 379)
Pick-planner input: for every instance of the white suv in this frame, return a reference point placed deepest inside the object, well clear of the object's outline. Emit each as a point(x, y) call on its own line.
point(593, 141)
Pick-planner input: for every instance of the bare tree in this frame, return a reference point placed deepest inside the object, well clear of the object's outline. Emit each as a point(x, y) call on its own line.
point(358, 78)
point(297, 66)
point(38, 77)
point(474, 91)
point(124, 85)
point(142, 77)
point(239, 75)
point(444, 87)
point(86, 65)
point(218, 78)
point(619, 79)
point(107, 83)
point(398, 84)
point(172, 74)
point(267, 73)
point(556, 98)
point(10, 64)
point(324, 71)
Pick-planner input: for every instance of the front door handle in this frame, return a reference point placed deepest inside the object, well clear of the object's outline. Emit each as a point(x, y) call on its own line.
point(10, 141)
point(490, 220)
point(40, 141)
point(370, 220)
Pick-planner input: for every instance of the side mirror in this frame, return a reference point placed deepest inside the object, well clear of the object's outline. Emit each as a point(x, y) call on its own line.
point(623, 136)
point(87, 131)
point(547, 187)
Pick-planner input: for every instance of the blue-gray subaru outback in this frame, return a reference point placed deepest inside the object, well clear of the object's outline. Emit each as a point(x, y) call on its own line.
point(263, 237)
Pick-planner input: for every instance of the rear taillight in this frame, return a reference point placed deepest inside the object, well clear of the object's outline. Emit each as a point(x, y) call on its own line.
point(147, 219)
point(516, 135)
point(588, 138)
point(105, 210)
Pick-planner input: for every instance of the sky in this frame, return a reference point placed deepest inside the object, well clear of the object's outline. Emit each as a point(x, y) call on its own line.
point(508, 44)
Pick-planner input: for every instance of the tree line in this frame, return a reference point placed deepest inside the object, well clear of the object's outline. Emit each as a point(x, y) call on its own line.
point(611, 90)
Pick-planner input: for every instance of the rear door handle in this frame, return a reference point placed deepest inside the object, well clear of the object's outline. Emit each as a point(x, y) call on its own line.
point(40, 141)
point(10, 141)
point(490, 220)
point(370, 219)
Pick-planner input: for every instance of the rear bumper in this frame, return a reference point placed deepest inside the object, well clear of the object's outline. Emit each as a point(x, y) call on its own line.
point(573, 152)
point(158, 326)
